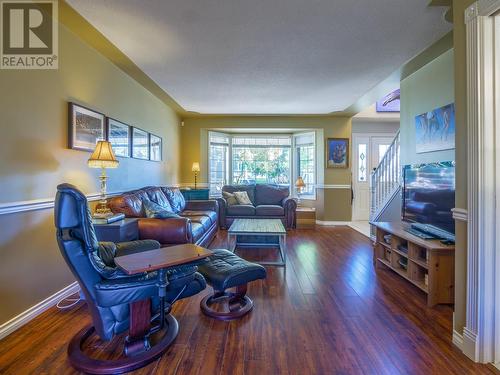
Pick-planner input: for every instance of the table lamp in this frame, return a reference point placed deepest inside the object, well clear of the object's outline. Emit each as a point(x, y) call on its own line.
point(299, 185)
point(195, 168)
point(103, 157)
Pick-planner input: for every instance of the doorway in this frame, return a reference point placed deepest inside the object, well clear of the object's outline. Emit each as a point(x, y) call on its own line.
point(368, 151)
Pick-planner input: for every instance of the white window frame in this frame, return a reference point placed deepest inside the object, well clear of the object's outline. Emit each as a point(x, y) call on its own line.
point(295, 162)
point(229, 163)
point(231, 136)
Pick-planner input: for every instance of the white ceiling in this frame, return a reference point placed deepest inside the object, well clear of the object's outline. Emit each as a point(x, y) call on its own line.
point(267, 56)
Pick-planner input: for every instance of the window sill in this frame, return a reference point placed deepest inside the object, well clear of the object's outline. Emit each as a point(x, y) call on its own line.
point(307, 198)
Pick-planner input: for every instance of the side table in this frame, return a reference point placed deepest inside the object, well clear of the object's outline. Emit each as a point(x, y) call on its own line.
point(306, 218)
point(195, 194)
point(119, 231)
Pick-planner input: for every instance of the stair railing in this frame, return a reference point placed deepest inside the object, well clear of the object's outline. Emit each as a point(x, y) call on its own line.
point(386, 178)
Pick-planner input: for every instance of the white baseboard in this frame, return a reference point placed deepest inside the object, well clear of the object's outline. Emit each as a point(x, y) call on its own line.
point(18, 321)
point(458, 340)
point(332, 223)
point(470, 345)
point(359, 230)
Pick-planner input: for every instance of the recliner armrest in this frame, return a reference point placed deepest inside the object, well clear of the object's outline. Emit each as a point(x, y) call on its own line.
point(207, 205)
point(132, 247)
point(166, 231)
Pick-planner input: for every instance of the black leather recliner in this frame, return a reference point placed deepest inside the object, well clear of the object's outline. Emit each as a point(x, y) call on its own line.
point(108, 291)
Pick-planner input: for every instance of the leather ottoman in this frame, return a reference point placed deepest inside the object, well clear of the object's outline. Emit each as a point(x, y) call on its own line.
point(224, 270)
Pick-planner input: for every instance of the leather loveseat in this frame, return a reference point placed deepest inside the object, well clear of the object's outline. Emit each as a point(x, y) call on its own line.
point(268, 201)
point(198, 221)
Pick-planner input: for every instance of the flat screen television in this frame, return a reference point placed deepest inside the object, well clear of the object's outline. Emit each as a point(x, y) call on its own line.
point(429, 194)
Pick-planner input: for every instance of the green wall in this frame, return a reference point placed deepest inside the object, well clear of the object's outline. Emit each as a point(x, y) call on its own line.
point(429, 88)
point(34, 159)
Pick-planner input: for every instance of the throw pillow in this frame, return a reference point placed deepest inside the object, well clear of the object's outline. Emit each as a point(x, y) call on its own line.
point(155, 211)
point(242, 197)
point(230, 198)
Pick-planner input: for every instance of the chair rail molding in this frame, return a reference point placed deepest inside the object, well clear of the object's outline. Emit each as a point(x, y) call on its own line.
point(40, 204)
point(321, 186)
point(479, 336)
point(459, 214)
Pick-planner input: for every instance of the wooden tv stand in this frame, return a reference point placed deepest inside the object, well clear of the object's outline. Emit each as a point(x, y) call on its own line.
point(430, 264)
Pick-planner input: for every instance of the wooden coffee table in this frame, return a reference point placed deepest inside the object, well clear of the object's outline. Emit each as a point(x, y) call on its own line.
point(258, 227)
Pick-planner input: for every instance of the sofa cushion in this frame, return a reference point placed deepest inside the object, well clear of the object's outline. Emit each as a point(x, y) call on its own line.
point(242, 197)
point(250, 189)
point(175, 198)
point(203, 220)
point(211, 214)
point(230, 198)
point(241, 210)
point(270, 194)
point(155, 211)
point(269, 210)
point(129, 204)
point(157, 196)
point(197, 230)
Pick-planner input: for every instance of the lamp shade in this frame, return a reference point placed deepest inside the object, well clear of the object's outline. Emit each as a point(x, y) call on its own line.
point(300, 182)
point(103, 156)
point(195, 167)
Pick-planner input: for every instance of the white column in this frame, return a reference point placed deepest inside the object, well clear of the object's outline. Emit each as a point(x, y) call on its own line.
point(479, 332)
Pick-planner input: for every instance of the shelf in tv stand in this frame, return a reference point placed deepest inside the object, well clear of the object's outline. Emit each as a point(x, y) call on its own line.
point(423, 257)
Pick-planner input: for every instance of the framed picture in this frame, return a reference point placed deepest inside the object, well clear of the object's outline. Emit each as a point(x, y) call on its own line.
point(155, 147)
point(390, 103)
point(119, 135)
point(85, 127)
point(337, 153)
point(140, 144)
point(435, 130)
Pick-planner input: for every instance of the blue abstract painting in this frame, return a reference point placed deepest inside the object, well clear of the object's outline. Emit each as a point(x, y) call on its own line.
point(337, 153)
point(435, 130)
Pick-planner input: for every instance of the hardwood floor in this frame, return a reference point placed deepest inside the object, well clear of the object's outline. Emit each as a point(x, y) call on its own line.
point(328, 313)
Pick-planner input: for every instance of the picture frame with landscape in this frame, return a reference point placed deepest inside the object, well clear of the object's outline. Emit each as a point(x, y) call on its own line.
point(140, 144)
point(119, 135)
point(155, 147)
point(85, 127)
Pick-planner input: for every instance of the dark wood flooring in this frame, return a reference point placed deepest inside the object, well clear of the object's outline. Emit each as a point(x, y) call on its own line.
point(328, 313)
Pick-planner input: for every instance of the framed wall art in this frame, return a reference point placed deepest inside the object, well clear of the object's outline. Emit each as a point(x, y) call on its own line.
point(155, 147)
point(85, 127)
point(120, 137)
point(390, 103)
point(140, 144)
point(435, 130)
point(337, 153)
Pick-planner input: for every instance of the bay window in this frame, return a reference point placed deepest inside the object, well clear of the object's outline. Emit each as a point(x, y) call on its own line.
point(261, 159)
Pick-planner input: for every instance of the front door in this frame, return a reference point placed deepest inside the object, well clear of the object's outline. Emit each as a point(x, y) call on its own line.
point(368, 151)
